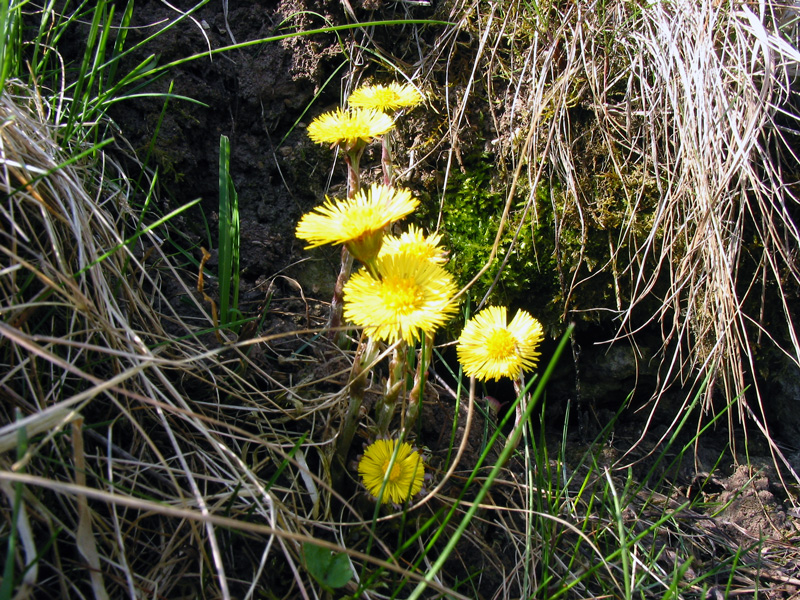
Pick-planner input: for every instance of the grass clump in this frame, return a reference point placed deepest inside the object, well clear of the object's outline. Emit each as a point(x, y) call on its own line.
point(654, 145)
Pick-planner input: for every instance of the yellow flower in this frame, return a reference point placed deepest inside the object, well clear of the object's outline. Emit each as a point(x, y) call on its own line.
point(349, 127)
point(405, 478)
point(387, 98)
point(490, 349)
point(414, 241)
point(411, 296)
point(357, 222)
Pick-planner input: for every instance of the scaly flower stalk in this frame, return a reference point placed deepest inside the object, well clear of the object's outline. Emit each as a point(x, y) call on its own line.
point(365, 356)
point(352, 160)
point(337, 302)
point(386, 159)
point(385, 406)
point(415, 396)
point(519, 387)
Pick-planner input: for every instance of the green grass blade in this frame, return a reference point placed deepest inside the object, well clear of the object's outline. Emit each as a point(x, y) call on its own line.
point(503, 458)
point(228, 253)
point(10, 41)
point(224, 243)
point(122, 36)
point(76, 113)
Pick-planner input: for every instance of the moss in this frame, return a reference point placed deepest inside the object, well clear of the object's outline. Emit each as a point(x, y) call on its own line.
point(471, 213)
point(529, 270)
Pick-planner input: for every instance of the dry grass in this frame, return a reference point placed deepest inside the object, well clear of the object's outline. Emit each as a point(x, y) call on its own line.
point(669, 129)
point(130, 427)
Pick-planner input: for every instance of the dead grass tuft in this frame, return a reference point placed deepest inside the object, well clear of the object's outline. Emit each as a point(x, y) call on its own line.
point(132, 433)
point(666, 133)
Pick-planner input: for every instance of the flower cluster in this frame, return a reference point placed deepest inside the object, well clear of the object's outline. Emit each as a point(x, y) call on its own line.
point(401, 296)
point(403, 292)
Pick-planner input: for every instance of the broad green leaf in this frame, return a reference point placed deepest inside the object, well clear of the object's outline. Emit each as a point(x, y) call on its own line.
point(331, 570)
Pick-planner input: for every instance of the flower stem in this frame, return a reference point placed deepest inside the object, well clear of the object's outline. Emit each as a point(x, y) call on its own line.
point(519, 387)
point(337, 302)
point(353, 159)
point(386, 158)
point(415, 396)
point(364, 357)
point(385, 406)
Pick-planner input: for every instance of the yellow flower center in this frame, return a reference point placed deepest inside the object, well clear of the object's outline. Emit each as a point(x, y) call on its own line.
point(501, 344)
point(401, 294)
point(395, 474)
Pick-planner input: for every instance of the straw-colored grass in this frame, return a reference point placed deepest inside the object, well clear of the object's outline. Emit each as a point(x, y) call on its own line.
point(666, 132)
point(99, 396)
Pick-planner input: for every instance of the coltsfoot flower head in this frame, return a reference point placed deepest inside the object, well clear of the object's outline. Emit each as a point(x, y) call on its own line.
point(489, 348)
point(409, 297)
point(348, 128)
point(387, 98)
point(406, 475)
point(357, 222)
point(414, 241)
